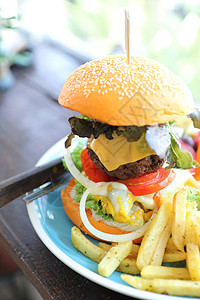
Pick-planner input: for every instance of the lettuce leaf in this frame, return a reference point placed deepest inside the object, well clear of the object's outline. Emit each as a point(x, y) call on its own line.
point(164, 142)
point(76, 153)
point(195, 117)
point(179, 159)
point(69, 140)
point(80, 189)
point(85, 127)
point(91, 203)
point(193, 195)
point(131, 133)
point(97, 207)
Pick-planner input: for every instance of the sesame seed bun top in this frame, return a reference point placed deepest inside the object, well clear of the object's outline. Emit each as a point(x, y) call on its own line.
point(111, 91)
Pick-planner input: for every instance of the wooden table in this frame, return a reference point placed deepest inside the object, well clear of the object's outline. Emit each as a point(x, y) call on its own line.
point(31, 121)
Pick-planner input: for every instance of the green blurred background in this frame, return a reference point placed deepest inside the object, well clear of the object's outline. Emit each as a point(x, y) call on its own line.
point(166, 30)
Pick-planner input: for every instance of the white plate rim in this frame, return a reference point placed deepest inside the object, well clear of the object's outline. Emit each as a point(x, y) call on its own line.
point(94, 277)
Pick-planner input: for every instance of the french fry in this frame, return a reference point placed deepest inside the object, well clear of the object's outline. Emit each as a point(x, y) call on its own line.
point(104, 246)
point(193, 261)
point(190, 233)
point(197, 229)
point(179, 217)
point(113, 258)
point(161, 245)
point(174, 256)
point(191, 206)
point(134, 250)
point(191, 240)
point(153, 234)
point(153, 272)
point(128, 265)
point(163, 286)
point(159, 199)
point(81, 243)
point(147, 215)
point(192, 182)
point(170, 246)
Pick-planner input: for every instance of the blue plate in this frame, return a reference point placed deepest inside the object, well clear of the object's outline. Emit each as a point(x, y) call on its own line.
point(54, 229)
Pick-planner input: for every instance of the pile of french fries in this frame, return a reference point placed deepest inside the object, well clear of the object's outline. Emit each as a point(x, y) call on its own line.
point(173, 235)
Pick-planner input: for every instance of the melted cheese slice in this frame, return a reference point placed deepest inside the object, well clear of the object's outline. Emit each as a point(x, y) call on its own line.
point(117, 152)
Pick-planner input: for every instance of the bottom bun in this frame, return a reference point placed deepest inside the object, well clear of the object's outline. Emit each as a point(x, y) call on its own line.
point(71, 208)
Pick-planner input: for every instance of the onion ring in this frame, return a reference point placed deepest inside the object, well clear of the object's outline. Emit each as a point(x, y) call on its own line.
point(75, 172)
point(106, 236)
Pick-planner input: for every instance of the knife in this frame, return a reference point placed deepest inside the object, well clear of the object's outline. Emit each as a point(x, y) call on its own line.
point(48, 177)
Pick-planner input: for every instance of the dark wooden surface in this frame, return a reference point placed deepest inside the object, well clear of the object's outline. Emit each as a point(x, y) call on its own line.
point(18, 185)
point(31, 121)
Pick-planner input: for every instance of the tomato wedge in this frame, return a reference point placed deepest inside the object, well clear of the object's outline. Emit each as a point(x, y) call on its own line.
point(149, 183)
point(139, 186)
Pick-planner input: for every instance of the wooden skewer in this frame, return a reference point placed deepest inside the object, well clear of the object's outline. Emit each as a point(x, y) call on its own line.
point(127, 35)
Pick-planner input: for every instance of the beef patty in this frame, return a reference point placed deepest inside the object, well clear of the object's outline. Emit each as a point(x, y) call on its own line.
point(143, 166)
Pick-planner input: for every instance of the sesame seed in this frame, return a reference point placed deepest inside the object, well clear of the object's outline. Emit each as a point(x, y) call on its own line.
point(112, 75)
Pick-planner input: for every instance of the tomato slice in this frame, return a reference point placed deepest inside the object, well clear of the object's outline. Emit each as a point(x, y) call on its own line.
point(139, 186)
point(139, 180)
point(162, 178)
point(91, 170)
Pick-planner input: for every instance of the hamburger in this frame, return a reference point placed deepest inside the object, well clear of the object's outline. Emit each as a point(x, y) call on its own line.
point(130, 151)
